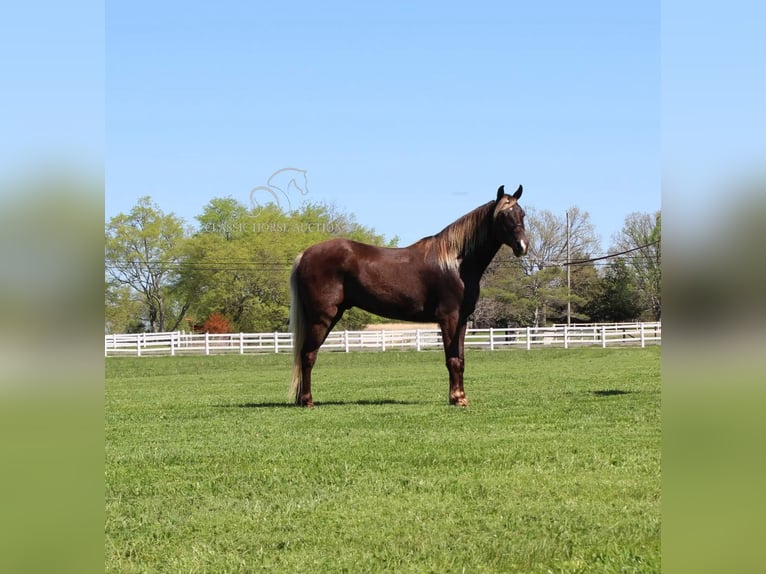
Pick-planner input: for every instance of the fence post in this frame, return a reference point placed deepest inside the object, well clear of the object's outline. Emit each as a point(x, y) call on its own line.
point(417, 339)
point(382, 340)
point(566, 337)
point(241, 343)
point(276, 342)
point(603, 337)
point(345, 340)
point(207, 343)
point(641, 328)
point(491, 339)
point(138, 344)
point(529, 338)
point(172, 344)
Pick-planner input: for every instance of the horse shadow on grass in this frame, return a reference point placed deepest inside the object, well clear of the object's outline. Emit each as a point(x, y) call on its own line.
point(287, 405)
point(610, 393)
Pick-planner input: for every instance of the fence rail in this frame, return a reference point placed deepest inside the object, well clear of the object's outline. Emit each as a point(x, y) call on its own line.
point(182, 343)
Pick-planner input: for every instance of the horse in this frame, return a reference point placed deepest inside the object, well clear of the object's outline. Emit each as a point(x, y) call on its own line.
point(436, 279)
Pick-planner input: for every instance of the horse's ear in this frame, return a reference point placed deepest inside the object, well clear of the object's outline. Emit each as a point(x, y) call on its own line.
point(500, 192)
point(517, 195)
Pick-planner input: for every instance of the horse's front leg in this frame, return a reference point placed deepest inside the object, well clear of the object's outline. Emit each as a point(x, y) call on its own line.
point(463, 401)
point(453, 334)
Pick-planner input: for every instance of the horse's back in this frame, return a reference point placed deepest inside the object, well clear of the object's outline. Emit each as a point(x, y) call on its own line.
point(392, 282)
point(347, 255)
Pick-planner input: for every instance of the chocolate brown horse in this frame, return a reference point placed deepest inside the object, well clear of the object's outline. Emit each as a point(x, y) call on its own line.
point(434, 279)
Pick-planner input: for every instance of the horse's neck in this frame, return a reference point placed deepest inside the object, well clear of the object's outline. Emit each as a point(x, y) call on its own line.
point(481, 256)
point(482, 251)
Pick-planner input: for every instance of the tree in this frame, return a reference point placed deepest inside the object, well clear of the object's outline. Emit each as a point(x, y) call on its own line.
point(533, 288)
point(143, 250)
point(123, 310)
point(216, 323)
point(615, 297)
point(222, 215)
point(239, 261)
point(584, 280)
point(642, 232)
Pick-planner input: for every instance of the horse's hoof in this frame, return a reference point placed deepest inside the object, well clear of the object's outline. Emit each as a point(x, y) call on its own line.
point(459, 402)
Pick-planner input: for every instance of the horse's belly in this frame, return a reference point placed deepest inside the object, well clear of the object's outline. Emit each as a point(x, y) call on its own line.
point(398, 312)
point(391, 301)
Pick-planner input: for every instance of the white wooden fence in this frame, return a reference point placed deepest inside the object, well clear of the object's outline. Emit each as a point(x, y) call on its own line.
point(181, 343)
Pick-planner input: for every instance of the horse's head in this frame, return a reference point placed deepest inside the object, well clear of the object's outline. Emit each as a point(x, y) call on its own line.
point(508, 224)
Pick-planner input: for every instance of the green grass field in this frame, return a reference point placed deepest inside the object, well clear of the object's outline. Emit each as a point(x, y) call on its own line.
point(554, 466)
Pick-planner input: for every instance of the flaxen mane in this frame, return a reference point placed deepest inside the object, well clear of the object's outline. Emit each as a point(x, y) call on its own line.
point(461, 237)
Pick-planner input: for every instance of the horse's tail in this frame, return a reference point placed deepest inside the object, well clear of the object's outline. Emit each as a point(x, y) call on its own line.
point(298, 329)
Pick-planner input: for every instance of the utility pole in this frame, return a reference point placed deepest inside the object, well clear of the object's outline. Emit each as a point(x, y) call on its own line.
point(569, 279)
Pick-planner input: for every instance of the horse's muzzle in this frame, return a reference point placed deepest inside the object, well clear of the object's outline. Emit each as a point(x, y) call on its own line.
point(520, 247)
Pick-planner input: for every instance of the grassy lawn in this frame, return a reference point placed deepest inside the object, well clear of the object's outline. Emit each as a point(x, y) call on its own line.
point(554, 466)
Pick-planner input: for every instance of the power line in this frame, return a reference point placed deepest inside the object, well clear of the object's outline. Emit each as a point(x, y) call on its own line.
point(611, 255)
point(246, 264)
point(599, 261)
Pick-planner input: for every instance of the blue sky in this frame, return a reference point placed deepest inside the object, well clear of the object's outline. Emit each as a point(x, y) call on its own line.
point(405, 114)
point(52, 98)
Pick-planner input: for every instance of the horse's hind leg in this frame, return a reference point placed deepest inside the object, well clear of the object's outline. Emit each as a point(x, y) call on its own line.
point(308, 358)
point(317, 333)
